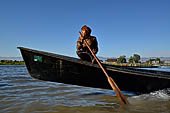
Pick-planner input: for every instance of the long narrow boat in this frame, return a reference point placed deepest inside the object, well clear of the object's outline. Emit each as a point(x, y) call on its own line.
point(69, 70)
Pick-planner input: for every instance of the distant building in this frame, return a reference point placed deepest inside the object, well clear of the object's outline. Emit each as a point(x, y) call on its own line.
point(167, 61)
point(111, 60)
point(154, 61)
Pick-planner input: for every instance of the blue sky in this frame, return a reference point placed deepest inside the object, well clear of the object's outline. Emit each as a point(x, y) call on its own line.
point(122, 27)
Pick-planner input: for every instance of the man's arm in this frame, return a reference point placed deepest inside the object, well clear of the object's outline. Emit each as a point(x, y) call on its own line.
point(79, 44)
point(95, 45)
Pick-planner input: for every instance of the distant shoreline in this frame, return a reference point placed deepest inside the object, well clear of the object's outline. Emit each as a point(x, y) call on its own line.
point(11, 62)
point(11, 58)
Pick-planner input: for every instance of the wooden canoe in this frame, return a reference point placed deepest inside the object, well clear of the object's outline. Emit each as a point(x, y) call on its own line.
point(69, 70)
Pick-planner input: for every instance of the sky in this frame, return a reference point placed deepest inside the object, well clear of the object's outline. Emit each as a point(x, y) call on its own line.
point(122, 27)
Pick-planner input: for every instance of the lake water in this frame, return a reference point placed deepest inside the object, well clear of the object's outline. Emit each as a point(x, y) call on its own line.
point(160, 68)
point(20, 93)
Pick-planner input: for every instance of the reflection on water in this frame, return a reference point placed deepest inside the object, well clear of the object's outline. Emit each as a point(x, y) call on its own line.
point(160, 68)
point(19, 93)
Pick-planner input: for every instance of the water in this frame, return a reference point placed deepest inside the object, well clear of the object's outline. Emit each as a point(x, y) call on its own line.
point(19, 93)
point(160, 68)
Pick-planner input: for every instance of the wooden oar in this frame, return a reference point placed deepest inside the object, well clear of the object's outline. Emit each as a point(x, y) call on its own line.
point(119, 94)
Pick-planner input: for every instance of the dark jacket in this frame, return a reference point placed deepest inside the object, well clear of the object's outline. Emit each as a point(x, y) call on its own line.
point(92, 42)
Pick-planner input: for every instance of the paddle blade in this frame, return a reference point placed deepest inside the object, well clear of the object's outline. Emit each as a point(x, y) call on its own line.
point(119, 94)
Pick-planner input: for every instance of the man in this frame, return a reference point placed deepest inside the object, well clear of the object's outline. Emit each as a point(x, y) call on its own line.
point(82, 49)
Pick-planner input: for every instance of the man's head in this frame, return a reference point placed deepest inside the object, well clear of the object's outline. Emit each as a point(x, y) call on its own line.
point(85, 31)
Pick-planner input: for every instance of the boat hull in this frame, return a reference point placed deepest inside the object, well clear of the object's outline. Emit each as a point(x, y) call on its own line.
point(68, 70)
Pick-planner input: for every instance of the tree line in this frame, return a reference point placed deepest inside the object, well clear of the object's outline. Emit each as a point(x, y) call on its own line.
point(11, 62)
point(133, 59)
point(136, 59)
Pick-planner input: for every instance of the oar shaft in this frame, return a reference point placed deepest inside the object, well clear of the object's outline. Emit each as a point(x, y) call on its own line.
point(119, 94)
point(96, 59)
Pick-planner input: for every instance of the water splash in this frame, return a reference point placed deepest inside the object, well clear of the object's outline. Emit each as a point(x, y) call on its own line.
point(163, 95)
point(154, 102)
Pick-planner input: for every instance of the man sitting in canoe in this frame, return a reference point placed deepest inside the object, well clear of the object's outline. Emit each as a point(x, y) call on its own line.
point(82, 49)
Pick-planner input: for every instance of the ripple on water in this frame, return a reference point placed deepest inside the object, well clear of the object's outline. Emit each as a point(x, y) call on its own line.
point(21, 93)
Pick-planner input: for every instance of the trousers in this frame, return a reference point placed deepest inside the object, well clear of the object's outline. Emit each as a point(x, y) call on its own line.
point(85, 56)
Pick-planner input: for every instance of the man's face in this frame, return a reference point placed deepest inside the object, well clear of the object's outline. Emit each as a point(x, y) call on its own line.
point(84, 33)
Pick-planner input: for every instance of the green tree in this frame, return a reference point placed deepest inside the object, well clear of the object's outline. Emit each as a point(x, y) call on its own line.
point(136, 58)
point(122, 59)
point(131, 60)
point(158, 59)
